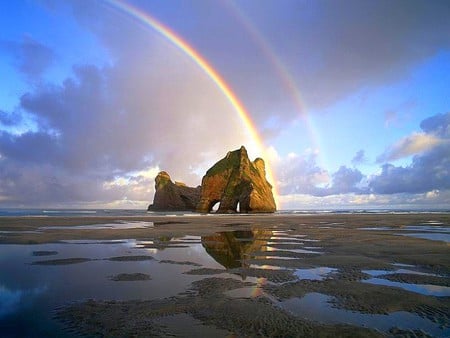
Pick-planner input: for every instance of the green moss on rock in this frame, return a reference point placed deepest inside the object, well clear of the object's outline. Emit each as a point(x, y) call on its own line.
point(236, 180)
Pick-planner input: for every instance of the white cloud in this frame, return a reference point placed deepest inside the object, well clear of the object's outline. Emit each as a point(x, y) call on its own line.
point(433, 194)
point(416, 143)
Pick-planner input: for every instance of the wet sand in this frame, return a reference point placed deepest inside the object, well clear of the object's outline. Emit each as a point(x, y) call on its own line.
point(355, 252)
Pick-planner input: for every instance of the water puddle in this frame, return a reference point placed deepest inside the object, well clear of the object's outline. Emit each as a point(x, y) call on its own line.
point(434, 222)
point(317, 307)
point(376, 228)
point(303, 251)
point(318, 273)
point(273, 257)
point(403, 265)
point(99, 241)
point(284, 243)
point(431, 231)
point(376, 273)
point(427, 228)
point(430, 236)
point(265, 267)
point(284, 238)
point(423, 289)
point(125, 225)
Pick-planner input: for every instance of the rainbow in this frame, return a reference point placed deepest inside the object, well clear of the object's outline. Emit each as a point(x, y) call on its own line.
point(204, 65)
point(281, 71)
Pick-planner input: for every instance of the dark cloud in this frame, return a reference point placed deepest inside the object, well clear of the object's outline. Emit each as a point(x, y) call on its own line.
point(345, 180)
point(30, 147)
point(438, 125)
point(428, 171)
point(316, 43)
point(359, 157)
point(43, 185)
point(30, 56)
point(148, 109)
point(333, 48)
point(10, 119)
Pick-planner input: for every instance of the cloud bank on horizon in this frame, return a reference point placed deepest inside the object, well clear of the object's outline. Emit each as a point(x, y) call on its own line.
point(93, 103)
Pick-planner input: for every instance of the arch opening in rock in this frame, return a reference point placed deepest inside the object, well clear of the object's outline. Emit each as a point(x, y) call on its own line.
point(214, 206)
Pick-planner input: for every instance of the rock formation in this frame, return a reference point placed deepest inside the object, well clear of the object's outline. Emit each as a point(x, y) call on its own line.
point(236, 183)
point(236, 180)
point(171, 196)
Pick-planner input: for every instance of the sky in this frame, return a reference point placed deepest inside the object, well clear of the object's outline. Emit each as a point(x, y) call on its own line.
point(348, 102)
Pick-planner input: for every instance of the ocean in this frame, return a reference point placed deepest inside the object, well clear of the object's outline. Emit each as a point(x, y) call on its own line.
point(55, 212)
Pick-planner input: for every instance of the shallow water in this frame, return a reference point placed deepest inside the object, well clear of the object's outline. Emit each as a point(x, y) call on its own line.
point(376, 273)
point(314, 273)
point(423, 289)
point(76, 270)
point(430, 236)
point(124, 225)
point(433, 231)
point(29, 293)
point(317, 307)
point(303, 251)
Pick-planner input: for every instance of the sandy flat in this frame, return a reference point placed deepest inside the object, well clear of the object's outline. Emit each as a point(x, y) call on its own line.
point(347, 247)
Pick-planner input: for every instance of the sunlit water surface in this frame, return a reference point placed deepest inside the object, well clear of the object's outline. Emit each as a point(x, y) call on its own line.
point(37, 279)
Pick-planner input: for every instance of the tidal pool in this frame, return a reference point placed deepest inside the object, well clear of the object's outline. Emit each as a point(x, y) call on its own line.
point(38, 279)
point(424, 289)
point(317, 307)
point(432, 236)
point(29, 293)
point(314, 273)
point(122, 225)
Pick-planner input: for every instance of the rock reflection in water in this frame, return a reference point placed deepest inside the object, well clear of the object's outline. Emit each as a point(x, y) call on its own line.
point(230, 249)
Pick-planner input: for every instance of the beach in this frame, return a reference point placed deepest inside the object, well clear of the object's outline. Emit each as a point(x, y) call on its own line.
point(275, 275)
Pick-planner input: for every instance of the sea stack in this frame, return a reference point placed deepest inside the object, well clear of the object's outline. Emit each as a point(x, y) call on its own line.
point(236, 181)
point(171, 196)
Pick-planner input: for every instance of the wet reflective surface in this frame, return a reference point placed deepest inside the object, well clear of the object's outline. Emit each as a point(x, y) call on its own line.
point(424, 289)
point(37, 279)
point(30, 292)
point(316, 306)
point(434, 231)
point(123, 225)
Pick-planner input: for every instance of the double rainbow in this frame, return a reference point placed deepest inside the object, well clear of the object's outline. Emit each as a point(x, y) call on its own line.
point(204, 65)
point(282, 72)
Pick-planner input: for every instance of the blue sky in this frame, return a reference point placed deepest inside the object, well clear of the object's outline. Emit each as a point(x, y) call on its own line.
point(93, 103)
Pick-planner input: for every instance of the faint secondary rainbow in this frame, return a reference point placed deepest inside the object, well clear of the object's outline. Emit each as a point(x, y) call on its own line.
point(198, 59)
point(283, 74)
